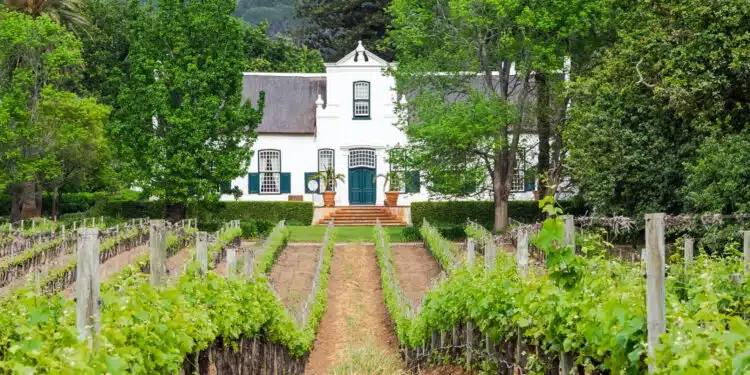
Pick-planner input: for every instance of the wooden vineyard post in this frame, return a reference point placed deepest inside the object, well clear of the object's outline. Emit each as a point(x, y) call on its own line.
point(87, 284)
point(569, 234)
point(231, 261)
point(249, 260)
point(470, 253)
point(201, 251)
point(746, 249)
point(490, 253)
point(522, 262)
point(689, 245)
point(655, 284)
point(469, 325)
point(157, 246)
point(569, 239)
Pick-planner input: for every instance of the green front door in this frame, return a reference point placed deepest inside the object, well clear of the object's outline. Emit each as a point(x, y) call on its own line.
point(361, 185)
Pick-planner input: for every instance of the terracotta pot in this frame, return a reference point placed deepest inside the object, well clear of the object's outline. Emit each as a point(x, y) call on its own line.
point(329, 198)
point(536, 195)
point(391, 198)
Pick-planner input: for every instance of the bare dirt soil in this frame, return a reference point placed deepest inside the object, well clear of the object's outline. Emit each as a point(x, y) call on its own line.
point(293, 273)
point(415, 268)
point(356, 315)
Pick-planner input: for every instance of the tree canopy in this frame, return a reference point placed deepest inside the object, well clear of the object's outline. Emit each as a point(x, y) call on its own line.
point(334, 27)
point(182, 127)
point(40, 118)
point(672, 92)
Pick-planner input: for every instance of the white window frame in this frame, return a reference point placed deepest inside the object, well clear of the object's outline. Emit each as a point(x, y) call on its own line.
point(269, 173)
point(327, 159)
point(362, 157)
point(361, 99)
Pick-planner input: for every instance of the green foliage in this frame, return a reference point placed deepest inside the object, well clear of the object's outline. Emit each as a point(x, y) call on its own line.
point(675, 78)
point(278, 54)
point(255, 228)
point(318, 308)
point(212, 212)
point(395, 301)
point(144, 330)
point(272, 247)
point(443, 250)
point(599, 312)
point(718, 180)
point(42, 122)
point(182, 127)
point(334, 27)
point(482, 212)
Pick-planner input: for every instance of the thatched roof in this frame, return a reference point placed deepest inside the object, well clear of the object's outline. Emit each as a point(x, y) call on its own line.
point(290, 100)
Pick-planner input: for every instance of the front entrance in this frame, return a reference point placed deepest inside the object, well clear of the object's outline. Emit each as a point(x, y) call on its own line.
point(362, 186)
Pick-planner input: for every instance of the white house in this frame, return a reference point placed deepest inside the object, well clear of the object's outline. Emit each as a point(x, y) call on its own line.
point(343, 118)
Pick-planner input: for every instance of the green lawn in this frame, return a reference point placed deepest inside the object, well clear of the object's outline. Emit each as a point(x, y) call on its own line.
point(344, 234)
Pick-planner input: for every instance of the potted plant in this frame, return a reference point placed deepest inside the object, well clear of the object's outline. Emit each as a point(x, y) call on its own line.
point(393, 181)
point(329, 178)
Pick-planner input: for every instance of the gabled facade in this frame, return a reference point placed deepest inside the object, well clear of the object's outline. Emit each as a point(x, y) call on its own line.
point(343, 118)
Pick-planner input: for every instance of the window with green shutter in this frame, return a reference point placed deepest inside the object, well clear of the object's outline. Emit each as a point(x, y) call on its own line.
point(253, 183)
point(286, 183)
point(412, 182)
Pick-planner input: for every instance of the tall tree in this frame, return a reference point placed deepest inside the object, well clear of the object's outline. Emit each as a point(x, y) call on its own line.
point(334, 27)
point(182, 126)
point(465, 128)
point(675, 79)
point(39, 59)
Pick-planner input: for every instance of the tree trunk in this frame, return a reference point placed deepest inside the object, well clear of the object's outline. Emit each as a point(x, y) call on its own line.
point(501, 189)
point(543, 131)
point(30, 201)
point(15, 204)
point(54, 204)
point(174, 211)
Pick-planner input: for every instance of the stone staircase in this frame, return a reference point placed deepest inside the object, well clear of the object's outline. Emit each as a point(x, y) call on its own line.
point(362, 216)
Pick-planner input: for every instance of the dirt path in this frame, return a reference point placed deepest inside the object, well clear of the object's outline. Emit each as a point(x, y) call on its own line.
point(293, 273)
point(356, 316)
point(415, 268)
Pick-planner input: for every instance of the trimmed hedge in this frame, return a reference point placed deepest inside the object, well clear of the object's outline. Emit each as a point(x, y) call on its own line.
point(300, 213)
point(483, 212)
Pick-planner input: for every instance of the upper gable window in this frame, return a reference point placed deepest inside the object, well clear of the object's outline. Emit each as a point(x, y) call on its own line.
point(361, 99)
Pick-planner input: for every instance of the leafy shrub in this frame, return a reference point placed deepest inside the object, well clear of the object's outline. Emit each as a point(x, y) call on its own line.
point(272, 247)
point(255, 228)
point(483, 212)
point(410, 234)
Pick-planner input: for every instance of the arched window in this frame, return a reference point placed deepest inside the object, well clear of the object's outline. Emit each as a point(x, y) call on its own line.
point(269, 167)
point(326, 160)
point(361, 103)
point(362, 157)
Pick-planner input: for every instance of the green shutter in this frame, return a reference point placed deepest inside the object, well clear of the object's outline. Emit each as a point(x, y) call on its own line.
point(308, 178)
point(286, 183)
point(253, 183)
point(412, 182)
point(225, 187)
point(529, 180)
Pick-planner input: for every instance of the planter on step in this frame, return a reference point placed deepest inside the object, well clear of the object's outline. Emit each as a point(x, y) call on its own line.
point(391, 198)
point(329, 198)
